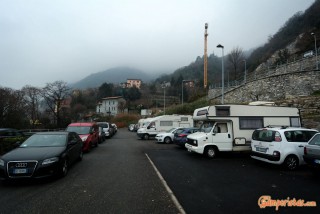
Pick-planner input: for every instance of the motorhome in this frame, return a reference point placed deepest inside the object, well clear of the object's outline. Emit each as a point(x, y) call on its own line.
point(155, 125)
point(230, 127)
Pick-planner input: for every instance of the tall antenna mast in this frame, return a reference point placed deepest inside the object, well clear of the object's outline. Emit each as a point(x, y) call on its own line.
point(205, 63)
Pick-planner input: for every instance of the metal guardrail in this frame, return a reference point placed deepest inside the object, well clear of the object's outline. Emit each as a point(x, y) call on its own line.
point(33, 131)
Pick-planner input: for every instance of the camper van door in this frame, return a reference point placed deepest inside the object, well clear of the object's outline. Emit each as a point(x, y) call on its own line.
point(222, 136)
point(151, 129)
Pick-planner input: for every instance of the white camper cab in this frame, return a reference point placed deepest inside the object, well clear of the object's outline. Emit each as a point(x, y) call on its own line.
point(155, 125)
point(230, 127)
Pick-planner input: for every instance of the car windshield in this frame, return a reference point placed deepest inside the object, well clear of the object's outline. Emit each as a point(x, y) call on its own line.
point(48, 140)
point(171, 130)
point(315, 140)
point(206, 126)
point(79, 129)
point(179, 131)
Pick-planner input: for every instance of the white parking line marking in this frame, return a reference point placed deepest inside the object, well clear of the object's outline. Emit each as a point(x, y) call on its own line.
point(173, 197)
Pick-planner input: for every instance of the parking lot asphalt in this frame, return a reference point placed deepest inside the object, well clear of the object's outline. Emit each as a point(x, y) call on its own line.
point(117, 177)
point(233, 183)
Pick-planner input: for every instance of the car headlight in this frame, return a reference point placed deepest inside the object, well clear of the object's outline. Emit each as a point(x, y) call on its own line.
point(84, 138)
point(1, 162)
point(50, 161)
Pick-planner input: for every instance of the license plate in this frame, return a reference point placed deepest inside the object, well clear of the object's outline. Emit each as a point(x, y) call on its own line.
point(19, 171)
point(261, 149)
point(317, 161)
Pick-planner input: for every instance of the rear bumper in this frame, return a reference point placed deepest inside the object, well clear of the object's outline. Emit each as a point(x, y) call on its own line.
point(264, 156)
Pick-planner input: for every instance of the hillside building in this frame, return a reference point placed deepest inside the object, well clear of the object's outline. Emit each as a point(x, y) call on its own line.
point(133, 82)
point(111, 106)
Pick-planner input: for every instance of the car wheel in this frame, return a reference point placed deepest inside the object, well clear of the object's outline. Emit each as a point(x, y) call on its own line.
point(64, 168)
point(146, 137)
point(210, 152)
point(167, 140)
point(291, 162)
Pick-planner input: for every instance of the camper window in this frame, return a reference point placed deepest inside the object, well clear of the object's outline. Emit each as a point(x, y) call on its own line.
point(184, 118)
point(166, 123)
point(251, 122)
point(223, 111)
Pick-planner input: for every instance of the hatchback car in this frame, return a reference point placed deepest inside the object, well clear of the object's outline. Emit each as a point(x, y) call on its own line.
point(42, 155)
point(107, 128)
point(281, 145)
point(312, 153)
point(88, 132)
point(167, 137)
point(180, 137)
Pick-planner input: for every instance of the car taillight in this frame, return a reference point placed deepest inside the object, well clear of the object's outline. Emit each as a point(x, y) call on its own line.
point(305, 150)
point(182, 135)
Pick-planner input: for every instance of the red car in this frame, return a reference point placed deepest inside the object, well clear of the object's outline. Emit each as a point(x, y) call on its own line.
point(88, 132)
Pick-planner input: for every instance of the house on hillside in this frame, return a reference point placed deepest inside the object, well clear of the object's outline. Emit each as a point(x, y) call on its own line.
point(111, 106)
point(134, 82)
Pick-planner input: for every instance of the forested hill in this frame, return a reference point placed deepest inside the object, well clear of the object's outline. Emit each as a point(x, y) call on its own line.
point(114, 75)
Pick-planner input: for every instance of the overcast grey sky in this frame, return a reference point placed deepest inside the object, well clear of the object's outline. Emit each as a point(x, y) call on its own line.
point(42, 41)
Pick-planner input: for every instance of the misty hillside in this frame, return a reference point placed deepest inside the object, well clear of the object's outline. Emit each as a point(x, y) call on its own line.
point(297, 30)
point(113, 75)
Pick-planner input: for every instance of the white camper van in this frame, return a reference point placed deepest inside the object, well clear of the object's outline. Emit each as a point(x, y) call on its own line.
point(230, 127)
point(155, 125)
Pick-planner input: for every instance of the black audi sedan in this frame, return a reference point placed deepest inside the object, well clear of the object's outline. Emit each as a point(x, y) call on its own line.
point(42, 155)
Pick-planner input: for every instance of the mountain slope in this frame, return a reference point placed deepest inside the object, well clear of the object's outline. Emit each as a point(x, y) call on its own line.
point(113, 75)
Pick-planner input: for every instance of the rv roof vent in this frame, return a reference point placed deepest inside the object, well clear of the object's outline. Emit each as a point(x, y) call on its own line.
point(262, 103)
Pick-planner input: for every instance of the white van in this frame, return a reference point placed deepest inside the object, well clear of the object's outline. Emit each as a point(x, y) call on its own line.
point(159, 124)
point(230, 127)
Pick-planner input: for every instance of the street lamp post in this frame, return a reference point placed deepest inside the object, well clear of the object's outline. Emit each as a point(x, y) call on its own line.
point(164, 97)
point(182, 89)
point(222, 81)
point(315, 47)
point(245, 71)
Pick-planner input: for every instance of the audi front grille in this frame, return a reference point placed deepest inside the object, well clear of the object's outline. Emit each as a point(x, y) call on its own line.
point(20, 169)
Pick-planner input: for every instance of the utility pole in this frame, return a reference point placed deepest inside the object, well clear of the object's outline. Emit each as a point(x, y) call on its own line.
point(205, 63)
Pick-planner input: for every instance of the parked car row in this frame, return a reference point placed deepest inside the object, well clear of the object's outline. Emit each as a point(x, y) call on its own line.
point(46, 154)
point(287, 146)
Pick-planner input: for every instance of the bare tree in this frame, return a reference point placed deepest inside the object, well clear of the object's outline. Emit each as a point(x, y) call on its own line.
point(32, 96)
point(54, 94)
point(235, 58)
point(12, 110)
